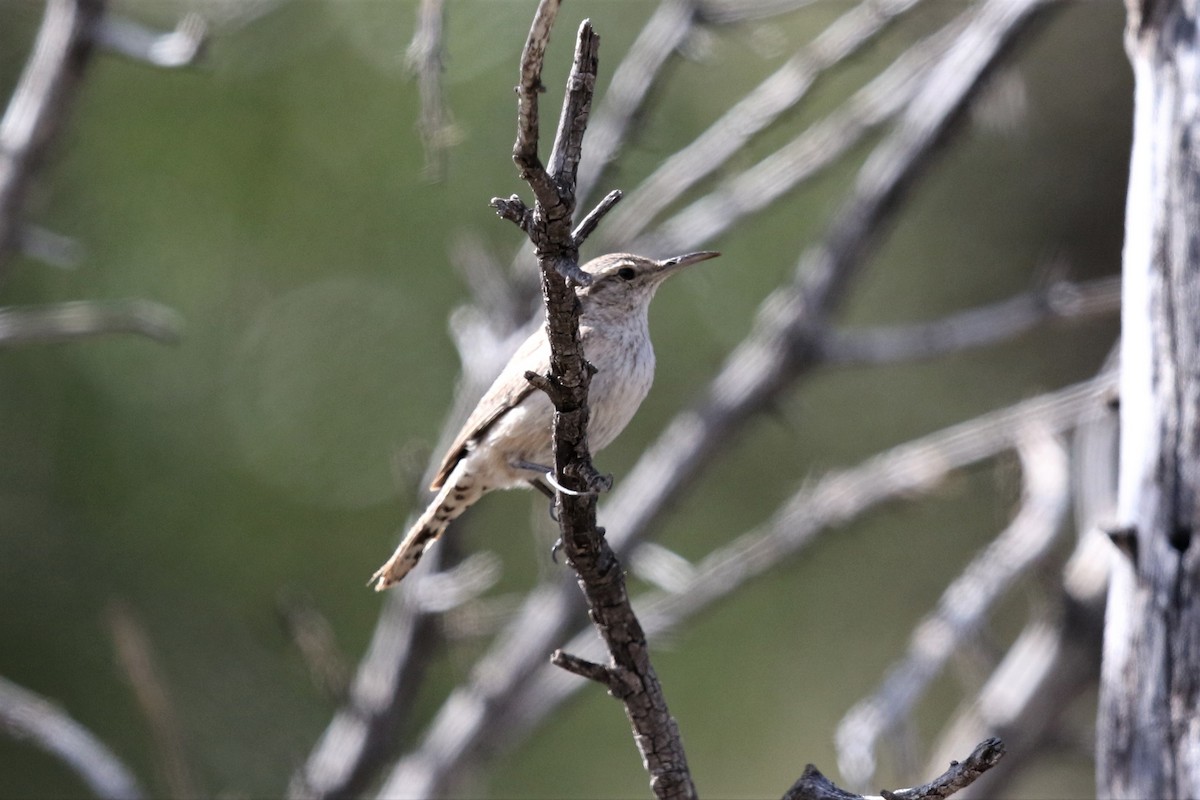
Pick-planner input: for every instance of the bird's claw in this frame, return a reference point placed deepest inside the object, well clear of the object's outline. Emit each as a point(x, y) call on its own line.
point(599, 483)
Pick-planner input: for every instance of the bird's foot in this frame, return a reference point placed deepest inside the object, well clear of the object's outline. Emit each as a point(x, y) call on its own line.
point(596, 481)
point(593, 479)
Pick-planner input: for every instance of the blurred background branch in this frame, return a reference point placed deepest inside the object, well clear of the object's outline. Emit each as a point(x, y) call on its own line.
point(31, 718)
point(39, 107)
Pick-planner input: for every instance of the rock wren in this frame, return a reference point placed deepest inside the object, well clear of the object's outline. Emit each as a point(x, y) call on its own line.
point(506, 443)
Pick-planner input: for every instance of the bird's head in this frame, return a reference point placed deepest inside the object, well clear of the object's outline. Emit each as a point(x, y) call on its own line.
point(625, 282)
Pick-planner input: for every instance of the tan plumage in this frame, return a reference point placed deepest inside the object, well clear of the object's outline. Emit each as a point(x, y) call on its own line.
point(510, 429)
point(509, 389)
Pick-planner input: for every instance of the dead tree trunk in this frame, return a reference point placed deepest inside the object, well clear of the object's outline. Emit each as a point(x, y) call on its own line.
point(1149, 725)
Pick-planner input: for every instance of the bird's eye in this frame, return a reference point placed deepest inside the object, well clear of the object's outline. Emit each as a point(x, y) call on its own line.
point(626, 273)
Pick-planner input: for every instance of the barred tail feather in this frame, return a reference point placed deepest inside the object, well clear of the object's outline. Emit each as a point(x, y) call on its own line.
point(452, 499)
point(407, 555)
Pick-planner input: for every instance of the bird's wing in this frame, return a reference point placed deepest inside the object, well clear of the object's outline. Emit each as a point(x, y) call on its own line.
point(506, 392)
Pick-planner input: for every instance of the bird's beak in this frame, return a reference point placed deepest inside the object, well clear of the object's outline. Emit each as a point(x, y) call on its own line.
point(669, 266)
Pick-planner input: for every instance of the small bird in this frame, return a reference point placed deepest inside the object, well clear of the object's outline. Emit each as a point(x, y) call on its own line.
point(506, 443)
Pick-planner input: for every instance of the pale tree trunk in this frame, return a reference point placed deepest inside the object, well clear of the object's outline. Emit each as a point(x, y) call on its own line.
point(1149, 730)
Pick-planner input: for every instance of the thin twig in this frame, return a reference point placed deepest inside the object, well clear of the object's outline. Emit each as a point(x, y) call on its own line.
point(525, 150)
point(583, 668)
point(960, 774)
point(316, 642)
point(136, 659)
point(584, 229)
point(29, 717)
point(424, 59)
point(812, 785)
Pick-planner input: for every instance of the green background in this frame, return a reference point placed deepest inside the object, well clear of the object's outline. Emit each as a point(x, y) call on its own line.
point(274, 198)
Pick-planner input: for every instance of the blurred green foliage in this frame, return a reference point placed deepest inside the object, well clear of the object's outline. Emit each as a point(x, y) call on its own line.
point(273, 197)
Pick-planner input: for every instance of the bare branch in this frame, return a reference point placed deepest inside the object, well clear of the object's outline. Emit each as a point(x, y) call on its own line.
point(780, 92)
point(840, 496)
point(584, 229)
point(314, 637)
point(181, 47)
point(727, 12)
point(39, 105)
point(662, 568)
point(1050, 664)
point(468, 722)
point(963, 608)
point(976, 327)
point(583, 668)
point(1056, 658)
point(525, 150)
point(499, 304)
point(424, 58)
point(960, 775)
point(812, 785)
point(84, 319)
point(572, 123)
point(136, 659)
point(26, 716)
point(600, 575)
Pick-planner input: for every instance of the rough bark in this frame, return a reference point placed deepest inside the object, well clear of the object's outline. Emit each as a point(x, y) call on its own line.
point(1148, 741)
point(630, 677)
